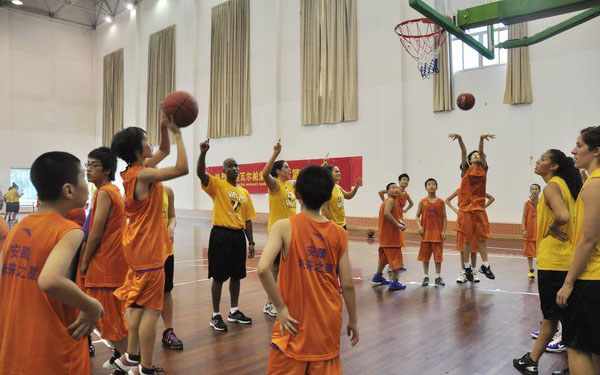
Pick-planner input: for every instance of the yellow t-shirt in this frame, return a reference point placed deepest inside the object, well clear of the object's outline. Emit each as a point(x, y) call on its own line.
point(232, 204)
point(165, 212)
point(336, 206)
point(553, 254)
point(11, 196)
point(592, 271)
point(281, 204)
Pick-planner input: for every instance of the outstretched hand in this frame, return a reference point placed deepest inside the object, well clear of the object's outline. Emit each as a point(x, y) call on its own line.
point(454, 136)
point(277, 147)
point(488, 137)
point(205, 146)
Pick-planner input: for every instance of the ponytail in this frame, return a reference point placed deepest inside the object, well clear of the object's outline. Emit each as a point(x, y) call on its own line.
point(567, 171)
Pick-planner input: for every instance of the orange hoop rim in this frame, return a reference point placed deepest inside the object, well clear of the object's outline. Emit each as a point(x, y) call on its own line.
point(416, 20)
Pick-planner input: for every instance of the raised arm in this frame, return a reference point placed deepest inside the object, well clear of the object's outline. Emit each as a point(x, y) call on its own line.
point(352, 193)
point(164, 148)
point(463, 149)
point(101, 214)
point(266, 172)
point(587, 245)
point(482, 139)
point(201, 166)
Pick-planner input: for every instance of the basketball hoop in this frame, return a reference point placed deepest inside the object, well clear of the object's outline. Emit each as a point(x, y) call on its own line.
point(422, 39)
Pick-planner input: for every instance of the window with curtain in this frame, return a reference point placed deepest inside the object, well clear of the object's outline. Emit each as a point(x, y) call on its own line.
point(229, 108)
point(112, 96)
point(329, 61)
point(161, 77)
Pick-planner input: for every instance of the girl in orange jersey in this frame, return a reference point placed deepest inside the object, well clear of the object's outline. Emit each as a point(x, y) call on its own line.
point(475, 225)
point(528, 227)
point(431, 221)
point(145, 238)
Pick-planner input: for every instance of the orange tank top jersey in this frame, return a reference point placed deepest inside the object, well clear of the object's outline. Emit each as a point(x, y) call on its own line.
point(145, 237)
point(389, 235)
point(432, 220)
point(77, 215)
point(3, 230)
point(308, 283)
point(108, 266)
point(30, 315)
point(530, 221)
point(401, 200)
point(472, 189)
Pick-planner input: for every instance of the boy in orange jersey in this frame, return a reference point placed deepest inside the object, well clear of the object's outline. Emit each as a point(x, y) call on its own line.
point(528, 227)
point(232, 219)
point(460, 236)
point(475, 226)
point(145, 238)
point(431, 221)
point(3, 230)
point(390, 239)
point(39, 303)
point(306, 335)
point(103, 266)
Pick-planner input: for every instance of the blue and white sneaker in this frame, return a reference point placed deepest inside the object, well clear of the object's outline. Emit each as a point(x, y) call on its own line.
point(556, 346)
point(395, 285)
point(379, 279)
point(535, 334)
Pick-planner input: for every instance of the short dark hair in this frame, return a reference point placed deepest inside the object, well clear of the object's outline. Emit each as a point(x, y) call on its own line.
point(51, 170)
point(277, 166)
point(431, 179)
point(107, 158)
point(127, 143)
point(403, 175)
point(387, 187)
point(591, 136)
point(314, 185)
point(538, 185)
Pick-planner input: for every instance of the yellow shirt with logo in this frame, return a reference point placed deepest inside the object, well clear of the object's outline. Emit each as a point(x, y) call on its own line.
point(335, 205)
point(553, 254)
point(232, 204)
point(11, 196)
point(281, 204)
point(592, 271)
point(165, 211)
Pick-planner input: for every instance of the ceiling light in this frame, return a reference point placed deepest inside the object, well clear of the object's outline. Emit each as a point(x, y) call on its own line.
point(108, 19)
point(17, 2)
point(130, 6)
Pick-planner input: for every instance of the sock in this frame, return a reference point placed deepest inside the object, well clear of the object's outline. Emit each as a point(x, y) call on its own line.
point(144, 370)
point(426, 275)
point(216, 313)
point(133, 357)
point(467, 265)
point(486, 264)
point(233, 310)
point(437, 276)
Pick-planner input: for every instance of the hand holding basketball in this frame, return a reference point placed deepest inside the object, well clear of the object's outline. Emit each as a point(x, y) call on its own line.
point(205, 146)
point(181, 107)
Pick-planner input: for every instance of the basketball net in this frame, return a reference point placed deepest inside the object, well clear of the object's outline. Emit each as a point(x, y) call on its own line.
point(422, 39)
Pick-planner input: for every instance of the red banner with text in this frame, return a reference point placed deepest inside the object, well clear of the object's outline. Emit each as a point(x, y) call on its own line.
point(250, 178)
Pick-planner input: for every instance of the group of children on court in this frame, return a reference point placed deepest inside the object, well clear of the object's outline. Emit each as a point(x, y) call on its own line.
point(70, 298)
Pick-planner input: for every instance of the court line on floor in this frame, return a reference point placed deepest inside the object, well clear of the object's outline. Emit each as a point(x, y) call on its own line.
point(201, 280)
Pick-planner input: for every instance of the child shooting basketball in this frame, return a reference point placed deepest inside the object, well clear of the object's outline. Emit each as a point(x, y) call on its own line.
point(431, 221)
point(145, 239)
point(306, 335)
point(528, 227)
point(39, 302)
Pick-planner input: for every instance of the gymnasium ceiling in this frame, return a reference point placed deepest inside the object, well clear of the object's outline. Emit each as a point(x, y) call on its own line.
point(86, 13)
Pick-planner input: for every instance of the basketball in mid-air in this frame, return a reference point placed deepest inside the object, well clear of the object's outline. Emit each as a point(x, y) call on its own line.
point(465, 101)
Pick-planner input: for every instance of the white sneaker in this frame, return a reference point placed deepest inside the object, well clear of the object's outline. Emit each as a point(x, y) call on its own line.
point(475, 278)
point(270, 310)
point(461, 277)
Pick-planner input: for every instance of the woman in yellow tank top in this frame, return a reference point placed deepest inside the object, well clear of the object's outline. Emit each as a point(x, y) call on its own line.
point(580, 293)
point(282, 200)
point(334, 208)
point(554, 244)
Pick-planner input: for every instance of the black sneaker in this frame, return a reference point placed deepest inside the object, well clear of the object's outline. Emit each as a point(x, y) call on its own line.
point(217, 323)
point(91, 347)
point(238, 317)
point(439, 281)
point(425, 281)
point(170, 340)
point(526, 365)
point(469, 274)
point(487, 271)
point(110, 364)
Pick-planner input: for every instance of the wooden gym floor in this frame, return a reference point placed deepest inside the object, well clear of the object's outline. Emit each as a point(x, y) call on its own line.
point(469, 329)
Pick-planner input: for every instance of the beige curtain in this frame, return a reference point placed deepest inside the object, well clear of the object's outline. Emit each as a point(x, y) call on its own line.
point(442, 81)
point(229, 106)
point(161, 77)
point(329, 71)
point(112, 97)
point(518, 74)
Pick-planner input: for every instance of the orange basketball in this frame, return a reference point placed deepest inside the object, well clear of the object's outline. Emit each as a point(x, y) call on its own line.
point(465, 101)
point(182, 106)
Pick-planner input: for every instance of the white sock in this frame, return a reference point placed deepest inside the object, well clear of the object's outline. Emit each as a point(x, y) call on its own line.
point(426, 275)
point(437, 276)
point(486, 264)
point(467, 265)
point(233, 310)
point(216, 313)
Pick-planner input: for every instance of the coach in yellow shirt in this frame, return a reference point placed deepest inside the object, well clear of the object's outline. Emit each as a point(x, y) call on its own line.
point(11, 197)
point(232, 217)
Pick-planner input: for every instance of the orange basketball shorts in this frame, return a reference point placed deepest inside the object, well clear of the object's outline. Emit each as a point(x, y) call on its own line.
point(143, 288)
point(429, 248)
point(474, 228)
point(529, 249)
point(391, 256)
point(113, 325)
point(279, 364)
